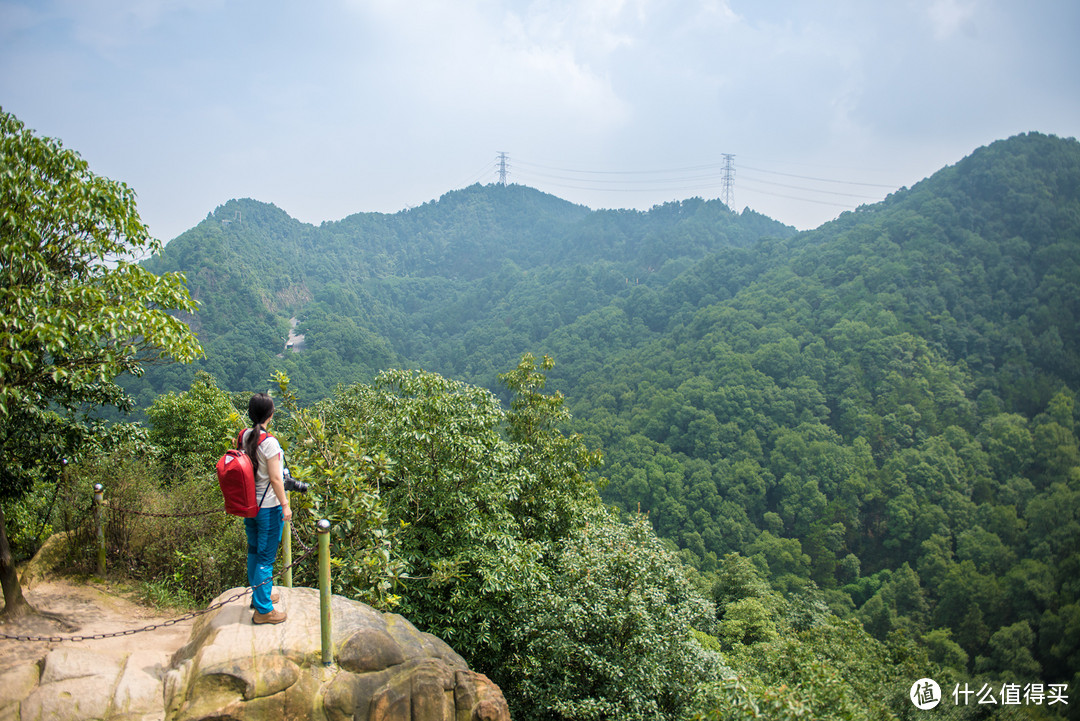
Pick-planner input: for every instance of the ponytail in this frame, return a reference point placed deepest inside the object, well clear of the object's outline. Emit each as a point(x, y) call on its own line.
point(260, 408)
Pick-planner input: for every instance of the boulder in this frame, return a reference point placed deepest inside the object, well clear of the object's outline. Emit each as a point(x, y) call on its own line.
point(52, 553)
point(78, 683)
point(384, 668)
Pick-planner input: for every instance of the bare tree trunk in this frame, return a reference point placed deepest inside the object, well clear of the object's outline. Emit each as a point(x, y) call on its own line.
point(15, 605)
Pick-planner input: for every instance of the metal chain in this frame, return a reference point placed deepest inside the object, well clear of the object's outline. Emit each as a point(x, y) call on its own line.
point(296, 535)
point(133, 512)
point(163, 624)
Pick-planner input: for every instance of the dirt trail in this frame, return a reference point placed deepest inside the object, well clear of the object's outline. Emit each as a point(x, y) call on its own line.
point(85, 609)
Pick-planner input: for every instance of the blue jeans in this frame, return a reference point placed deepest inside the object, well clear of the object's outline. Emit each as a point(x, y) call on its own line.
point(263, 537)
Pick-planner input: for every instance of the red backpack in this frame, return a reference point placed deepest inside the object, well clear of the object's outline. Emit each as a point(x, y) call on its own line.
point(236, 476)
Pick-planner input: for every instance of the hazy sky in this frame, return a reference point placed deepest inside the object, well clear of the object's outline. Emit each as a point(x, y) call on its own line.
point(332, 107)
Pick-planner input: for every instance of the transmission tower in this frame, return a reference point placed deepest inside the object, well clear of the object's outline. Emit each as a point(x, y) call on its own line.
point(504, 168)
point(728, 195)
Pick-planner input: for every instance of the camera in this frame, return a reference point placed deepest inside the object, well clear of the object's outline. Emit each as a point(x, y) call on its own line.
point(291, 484)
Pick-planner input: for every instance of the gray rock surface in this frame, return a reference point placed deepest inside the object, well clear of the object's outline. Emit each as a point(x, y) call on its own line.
point(231, 669)
point(78, 683)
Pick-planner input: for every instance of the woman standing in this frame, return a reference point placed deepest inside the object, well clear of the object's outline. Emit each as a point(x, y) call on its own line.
point(264, 530)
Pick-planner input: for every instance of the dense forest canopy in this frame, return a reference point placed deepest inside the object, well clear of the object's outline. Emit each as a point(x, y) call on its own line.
point(878, 415)
point(462, 285)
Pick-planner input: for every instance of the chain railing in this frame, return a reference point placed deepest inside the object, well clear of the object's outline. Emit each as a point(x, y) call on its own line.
point(296, 535)
point(148, 514)
point(323, 549)
point(155, 626)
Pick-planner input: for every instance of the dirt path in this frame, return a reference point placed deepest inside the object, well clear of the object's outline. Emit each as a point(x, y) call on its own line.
point(86, 609)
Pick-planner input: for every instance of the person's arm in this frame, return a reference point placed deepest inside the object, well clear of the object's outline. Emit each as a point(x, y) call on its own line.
point(277, 482)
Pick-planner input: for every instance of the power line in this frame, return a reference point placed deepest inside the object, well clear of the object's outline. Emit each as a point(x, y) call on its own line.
point(703, 177)
point(720, 167)
point(813, 190)
point(803, 200)
point(821, 180)
point(622, 181)
point(668, 189)
point(624, 172)
point(724, 182)
point(477, 176)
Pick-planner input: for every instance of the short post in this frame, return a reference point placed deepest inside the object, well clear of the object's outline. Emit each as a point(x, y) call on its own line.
point(286, 554)
point(99, 523)
point(323, 528)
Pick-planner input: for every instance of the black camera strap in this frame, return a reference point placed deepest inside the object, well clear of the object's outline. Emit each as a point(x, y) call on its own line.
point(265, 490)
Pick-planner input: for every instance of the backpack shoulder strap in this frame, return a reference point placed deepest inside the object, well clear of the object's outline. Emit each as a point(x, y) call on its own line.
point(240, 438)
point(267, 434)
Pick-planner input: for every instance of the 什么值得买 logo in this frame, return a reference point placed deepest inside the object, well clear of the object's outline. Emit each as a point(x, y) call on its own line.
point(925, 694)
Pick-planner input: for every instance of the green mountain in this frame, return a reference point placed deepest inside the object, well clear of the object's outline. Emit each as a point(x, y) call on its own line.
point(879, 413)
point(460, 285)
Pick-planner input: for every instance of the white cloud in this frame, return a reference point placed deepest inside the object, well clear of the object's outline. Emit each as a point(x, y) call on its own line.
point(591, 28)
point(488, 64)
point(337, 106)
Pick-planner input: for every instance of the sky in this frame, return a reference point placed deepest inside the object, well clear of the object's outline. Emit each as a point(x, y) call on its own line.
point(332, 107)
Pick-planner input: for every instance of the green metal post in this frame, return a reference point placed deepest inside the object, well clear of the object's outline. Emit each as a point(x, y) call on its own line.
point(286, 554)
point(99, 523)
point(323, 528)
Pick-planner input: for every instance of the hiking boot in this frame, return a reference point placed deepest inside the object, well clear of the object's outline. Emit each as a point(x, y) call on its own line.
point(274, 598)
point(274, 616)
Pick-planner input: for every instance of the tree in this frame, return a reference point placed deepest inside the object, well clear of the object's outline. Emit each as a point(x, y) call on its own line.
point(511, 556)
point(194, 427)
point(608, 634)
point(76, 311)
point(553, 467)
point(1010, 651)
point(477, 494)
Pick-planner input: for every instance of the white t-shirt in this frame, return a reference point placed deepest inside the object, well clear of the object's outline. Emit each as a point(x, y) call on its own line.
point(267, 449)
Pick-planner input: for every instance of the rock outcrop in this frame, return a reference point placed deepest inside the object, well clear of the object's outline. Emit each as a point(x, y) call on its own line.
point(385, 669)
point(232, 670)
point(77, 683)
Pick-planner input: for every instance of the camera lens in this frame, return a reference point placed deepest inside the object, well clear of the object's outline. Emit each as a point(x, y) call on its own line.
point(292, 484)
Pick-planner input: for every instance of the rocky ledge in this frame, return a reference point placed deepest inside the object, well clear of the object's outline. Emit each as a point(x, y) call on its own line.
point(385, 669)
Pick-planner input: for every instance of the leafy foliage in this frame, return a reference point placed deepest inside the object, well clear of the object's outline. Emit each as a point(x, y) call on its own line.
point(75, 310)
point(503, 539)
point(194, 427)
point(184, 557)
point(464, 497)
point(609, 632)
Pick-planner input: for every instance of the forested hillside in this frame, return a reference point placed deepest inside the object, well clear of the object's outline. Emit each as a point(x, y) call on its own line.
point(882, 410)
point(461, 285)
point(880, 414)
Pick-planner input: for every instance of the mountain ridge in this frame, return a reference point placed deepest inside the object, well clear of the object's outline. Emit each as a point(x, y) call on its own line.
point(252, 256)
